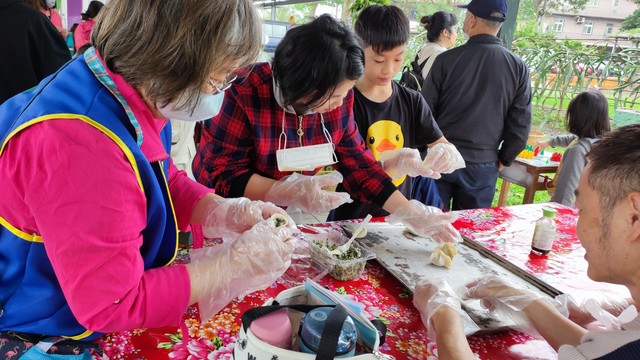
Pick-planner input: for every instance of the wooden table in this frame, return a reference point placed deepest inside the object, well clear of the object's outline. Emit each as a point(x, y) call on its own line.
point(526, 173)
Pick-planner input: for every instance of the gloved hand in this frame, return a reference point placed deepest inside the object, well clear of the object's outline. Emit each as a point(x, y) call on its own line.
point(502, 298)
point(429, 296)
point(443, 158)
point(305, 192)
point(251, 262)
point(405, 161)
point(610, 312)
point(426, 221)
point(228, 218)
point(495, 292)
point(543, 144)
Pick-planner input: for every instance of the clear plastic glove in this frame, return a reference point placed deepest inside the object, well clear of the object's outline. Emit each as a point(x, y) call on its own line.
point(239, 267)
point(426, 221)
point(429, 296)
point(610, 312)
point(405, 161)
point(306, 193)
point(228, 218)
point(493, 290)
point(505, 299)
point(443, 158)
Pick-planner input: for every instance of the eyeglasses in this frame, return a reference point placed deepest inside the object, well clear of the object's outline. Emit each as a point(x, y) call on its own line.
point(226, 83)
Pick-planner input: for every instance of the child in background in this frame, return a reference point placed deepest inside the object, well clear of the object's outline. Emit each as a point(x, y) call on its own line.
point(392, 119)
point(587, 119)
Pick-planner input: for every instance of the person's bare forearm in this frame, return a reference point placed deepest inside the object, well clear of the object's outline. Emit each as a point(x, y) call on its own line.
point(258, 186)
point(394, 201)
point(553, 327)
point(450, 338)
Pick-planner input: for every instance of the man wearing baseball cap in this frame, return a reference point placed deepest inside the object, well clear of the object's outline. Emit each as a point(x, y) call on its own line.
point(493, 10)
point(480, 96)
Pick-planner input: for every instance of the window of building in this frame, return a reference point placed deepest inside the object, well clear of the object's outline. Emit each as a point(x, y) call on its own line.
point(587, 28)
point(592, 3)
point(608, 29)
point(616, 3)
point(558, 25)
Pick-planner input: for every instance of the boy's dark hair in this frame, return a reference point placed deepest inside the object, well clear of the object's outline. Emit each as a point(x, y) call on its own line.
point(588, 114)
point(313, 59)
point(383, 27)
point(434, 24)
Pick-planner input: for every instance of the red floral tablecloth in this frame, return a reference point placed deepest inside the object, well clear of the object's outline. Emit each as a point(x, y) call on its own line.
point(507, 231)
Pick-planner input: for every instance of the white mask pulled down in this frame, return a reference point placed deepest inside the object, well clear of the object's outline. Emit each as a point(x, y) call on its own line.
point(51, 3)
point(304, 158)
point(208, 107)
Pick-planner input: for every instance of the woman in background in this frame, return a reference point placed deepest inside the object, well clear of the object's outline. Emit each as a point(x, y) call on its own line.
point(441, 34)
point(47, 7)
point(82, 33)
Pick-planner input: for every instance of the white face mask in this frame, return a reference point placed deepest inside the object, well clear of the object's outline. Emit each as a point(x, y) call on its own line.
point(51, 3)
point(305, 158)
point(208, 107)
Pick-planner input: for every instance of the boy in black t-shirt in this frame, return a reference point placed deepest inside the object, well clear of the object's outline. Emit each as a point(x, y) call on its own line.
point(394, 121)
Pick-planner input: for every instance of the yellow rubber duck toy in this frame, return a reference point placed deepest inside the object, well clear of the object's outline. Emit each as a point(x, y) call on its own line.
point(385, 135)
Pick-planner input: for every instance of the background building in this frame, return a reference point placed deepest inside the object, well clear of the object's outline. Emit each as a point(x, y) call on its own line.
point(596, 24)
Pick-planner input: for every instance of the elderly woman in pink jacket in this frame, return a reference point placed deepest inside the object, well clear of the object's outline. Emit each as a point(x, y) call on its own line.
point(82, 34)
point(91, 201)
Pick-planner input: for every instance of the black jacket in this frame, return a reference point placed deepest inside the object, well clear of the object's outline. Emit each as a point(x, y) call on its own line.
point(32, 48)
point(480, 96)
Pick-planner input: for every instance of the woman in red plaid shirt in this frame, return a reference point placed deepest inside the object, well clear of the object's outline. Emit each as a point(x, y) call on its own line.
point(304, 98)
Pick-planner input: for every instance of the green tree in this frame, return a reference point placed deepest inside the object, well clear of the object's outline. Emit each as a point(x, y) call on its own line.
point(633, 20)
point(544, 7)
point(357, 5)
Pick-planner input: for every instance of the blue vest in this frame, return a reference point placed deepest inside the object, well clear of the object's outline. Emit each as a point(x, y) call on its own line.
point(31, 300)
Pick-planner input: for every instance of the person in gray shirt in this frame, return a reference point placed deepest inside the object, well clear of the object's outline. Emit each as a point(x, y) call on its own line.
point(587, 119)
point(480, 96)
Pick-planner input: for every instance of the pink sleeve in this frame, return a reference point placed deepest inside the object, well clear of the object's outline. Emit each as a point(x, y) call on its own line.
point(90, 211)
point(56, 20)
point(185, 193)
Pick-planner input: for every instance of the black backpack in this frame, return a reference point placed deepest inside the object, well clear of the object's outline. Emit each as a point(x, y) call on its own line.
point(412, 76)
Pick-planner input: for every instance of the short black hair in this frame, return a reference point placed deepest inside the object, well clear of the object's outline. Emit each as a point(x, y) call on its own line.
point(383, 27)
point(313, 59)
point(588, 114)
point(434, 24)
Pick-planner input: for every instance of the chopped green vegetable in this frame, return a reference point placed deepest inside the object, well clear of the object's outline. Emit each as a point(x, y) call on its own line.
point(278, 220)
point(343, 272)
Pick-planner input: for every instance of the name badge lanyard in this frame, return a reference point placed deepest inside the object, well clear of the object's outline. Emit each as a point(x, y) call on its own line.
point(100, 72)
